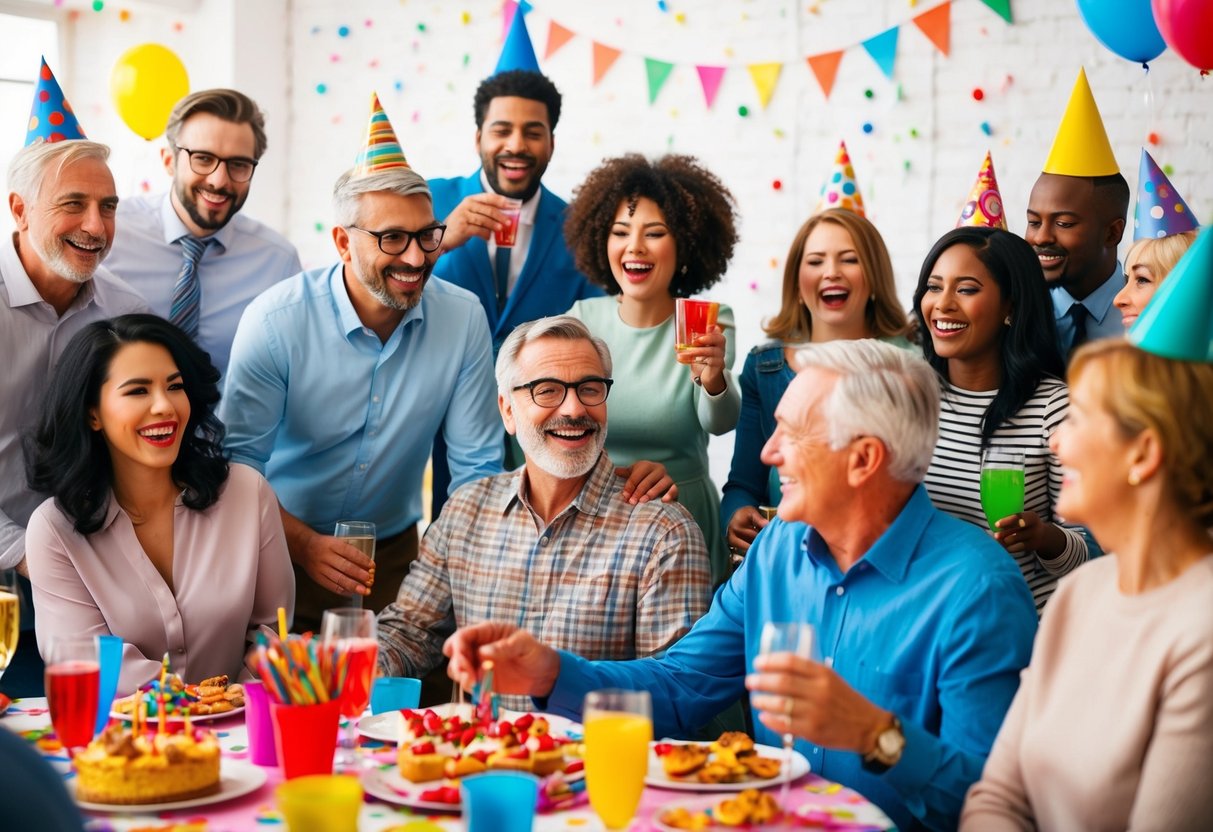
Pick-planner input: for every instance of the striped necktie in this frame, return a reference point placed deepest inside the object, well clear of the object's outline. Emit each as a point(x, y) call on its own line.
point(187, 293)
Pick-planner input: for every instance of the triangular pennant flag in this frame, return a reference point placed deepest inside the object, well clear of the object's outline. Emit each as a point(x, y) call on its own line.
point(840, 189)
point(604, 59)
point(765, 77)
point(558, 36)
point(1081, 146)
point(883, 49)
point(381, 151)
point(825, 68)
point(936, 24)
point(658, 72)
point(1178, 321)
point(710, 78)
point(517, 51)
point(1160, 210)
point(50, 118)
point(1003, 7)
point(984, 206)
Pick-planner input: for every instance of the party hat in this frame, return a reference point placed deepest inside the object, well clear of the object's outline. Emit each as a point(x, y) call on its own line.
point(517, 52)
point(51, 118)
point(1081, 146)
point(984, 206)
point(1178, 321)
point(381, 150)
point(1160, 210)
point(840, 190)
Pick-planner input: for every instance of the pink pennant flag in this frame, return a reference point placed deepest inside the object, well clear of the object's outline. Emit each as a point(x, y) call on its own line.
point(710, 78)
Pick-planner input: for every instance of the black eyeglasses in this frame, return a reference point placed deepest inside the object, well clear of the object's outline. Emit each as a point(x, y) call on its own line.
point(203, 163)
point(397, 242)
point(551, 392)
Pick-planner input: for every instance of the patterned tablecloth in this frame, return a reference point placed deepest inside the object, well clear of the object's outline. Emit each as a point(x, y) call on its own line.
point(820, 803)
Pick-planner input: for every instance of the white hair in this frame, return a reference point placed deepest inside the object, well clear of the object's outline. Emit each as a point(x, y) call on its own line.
point(30, 167)
point(556, 326)
point(882, 391)
point(349, 188)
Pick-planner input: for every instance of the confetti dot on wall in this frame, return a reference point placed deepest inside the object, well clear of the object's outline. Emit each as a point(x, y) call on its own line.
point(315, 30)
point(680, 17)
point(869, 94)
point(1169, 170)
point(334, 58)
point(399, 85)
point(777, 185)
point(467, 58)
point(145, 186)
point(319, 226)
point(986, 128)
point(743, 111)
point(779, 134)
point(465, 18)
point(374, 63)
point(421, 27)
point(98, 5)
point(1153, 138)
point(661, 6)
point(74, 14)
point(867, 127)
point(773, 263)
point(913, 132)
point(58, 3)
point(322, 88)
point(343, 31)
point(416, 116)
point(753, 285)
point(178, 26)
point(368, 23)
point(978, 94)
point(124, 15)
point(906, 164)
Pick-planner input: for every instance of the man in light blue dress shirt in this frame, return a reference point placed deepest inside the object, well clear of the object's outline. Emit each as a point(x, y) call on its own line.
point(214, 140)
point(341, 376)
point(922, 622)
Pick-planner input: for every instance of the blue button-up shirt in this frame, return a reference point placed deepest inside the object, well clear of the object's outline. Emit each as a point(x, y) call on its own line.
point(1103, 320)
point(934, 623)
point(341, 423)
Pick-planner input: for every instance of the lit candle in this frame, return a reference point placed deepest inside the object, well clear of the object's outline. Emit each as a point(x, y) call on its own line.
point(160, 729)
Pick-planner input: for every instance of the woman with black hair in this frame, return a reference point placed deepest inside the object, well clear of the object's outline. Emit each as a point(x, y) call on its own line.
point(649, 232)
point(983, 302)
point(149, 534)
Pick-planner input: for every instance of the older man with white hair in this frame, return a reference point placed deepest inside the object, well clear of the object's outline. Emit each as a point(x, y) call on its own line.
point(922, 622)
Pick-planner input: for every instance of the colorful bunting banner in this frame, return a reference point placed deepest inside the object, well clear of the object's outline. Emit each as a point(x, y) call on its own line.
point(825, 68)
point(765, 77)
point(883, 49)
point(936, 24)
point(604, 58)
point(1003, 7)
point(558, 36)
point(657, 72)
point(710, 78)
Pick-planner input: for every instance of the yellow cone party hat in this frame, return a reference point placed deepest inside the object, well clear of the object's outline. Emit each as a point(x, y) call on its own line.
point(381, 151)
point(984, 205)
point(840, 190)
point(1081, 146)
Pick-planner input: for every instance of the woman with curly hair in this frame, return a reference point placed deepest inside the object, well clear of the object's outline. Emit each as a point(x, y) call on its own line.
point(649, 232)
point(837, 285)
point(150, 534)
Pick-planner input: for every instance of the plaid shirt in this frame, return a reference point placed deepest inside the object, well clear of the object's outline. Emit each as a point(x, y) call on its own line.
point(605, 579)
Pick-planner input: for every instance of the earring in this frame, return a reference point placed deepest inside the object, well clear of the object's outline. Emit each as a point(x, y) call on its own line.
point(1006, 321)
point(684, 268)
point(1134, 478)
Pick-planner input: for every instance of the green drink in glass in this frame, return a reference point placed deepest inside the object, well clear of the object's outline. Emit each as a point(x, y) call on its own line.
point(1001, 485)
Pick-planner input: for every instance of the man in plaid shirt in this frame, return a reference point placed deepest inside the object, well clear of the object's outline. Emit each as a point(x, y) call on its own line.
point(552, 547)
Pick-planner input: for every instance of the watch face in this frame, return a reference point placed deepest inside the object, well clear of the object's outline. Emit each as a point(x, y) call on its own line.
point(890, 743)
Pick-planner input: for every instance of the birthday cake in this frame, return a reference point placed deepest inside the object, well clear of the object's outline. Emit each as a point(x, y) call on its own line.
point(122, 766)
point(433, 747)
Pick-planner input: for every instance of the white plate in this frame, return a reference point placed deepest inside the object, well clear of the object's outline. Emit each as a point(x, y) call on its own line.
point(235, 780)
point(387, 784)
point(178, 719)
point(659, 779)
point(385, 726)
point(861, 816)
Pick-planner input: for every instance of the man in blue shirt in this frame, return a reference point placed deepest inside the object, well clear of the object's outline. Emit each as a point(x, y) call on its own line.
point(340, 378)
point(922, 622)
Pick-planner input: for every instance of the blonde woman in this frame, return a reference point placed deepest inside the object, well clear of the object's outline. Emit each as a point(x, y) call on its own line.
point(1148, 263)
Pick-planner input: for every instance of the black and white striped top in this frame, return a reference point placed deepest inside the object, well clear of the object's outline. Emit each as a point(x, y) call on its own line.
point(954, 478)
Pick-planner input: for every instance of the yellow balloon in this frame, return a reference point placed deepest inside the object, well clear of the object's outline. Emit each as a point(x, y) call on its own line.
point(145, 83)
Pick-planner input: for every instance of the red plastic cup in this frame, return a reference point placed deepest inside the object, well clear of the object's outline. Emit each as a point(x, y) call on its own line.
point(508, 236)
point(305, 737)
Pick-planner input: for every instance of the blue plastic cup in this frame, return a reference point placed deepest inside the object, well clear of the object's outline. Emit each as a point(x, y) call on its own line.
point(499, 801)
point(109, 652)
point(393, 693)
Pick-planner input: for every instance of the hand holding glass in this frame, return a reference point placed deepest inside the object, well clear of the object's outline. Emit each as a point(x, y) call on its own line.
point(73, 676)
point(361, 535)
point(353, 634)
point(10, 617)
point(618, 730)
point(1002, 485)
point(795, 637)
point(692, 318)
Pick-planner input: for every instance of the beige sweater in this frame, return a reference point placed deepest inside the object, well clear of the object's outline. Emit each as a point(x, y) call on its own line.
point(1112, 727)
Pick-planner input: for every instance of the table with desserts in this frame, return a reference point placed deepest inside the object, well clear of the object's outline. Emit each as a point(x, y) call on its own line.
point(247, 801)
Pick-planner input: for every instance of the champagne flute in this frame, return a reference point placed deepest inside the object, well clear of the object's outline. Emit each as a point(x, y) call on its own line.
point(618, 730)
point(795, 637)
point(73, 677)
point(10, 617)
point(352, 634)
point(361, 535)
point(1002, 485)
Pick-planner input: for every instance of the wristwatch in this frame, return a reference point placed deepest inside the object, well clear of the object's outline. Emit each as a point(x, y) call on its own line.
point(889, 744)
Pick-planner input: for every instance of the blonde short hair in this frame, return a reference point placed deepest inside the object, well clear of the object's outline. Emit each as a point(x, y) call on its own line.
point(1143, 391)
point(1159, 254)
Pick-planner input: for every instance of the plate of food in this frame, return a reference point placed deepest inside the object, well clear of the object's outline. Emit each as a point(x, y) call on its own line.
point(731, 762)
point(751, 809)
point(390, 726)
point(212, 698)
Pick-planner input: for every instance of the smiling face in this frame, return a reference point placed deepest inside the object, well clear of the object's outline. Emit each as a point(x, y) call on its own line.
point(563, 441)
point(394, 281)
point(70, 225)
point(207, 203)
point(964, 307)
point(641, 250)
point(1073, 239)
point(832, 283)
point(142, 409)
point(515, 145)
point(1140, 285)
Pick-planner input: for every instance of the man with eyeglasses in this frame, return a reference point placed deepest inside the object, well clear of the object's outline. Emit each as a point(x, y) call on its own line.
point(552, 547)
point(196, 259)
point(340, 377)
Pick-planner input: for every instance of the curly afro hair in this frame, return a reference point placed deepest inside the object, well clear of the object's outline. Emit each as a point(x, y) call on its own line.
point(698, 208)
point(517, 83)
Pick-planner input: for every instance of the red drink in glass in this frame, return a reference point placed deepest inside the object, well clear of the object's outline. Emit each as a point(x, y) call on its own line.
point(692, 318)
point(71, 688)
point(360, 672)
point(508, 236)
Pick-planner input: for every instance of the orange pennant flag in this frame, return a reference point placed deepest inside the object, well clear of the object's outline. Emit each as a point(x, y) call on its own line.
point(937, 25)
point(604, 59)
point(558, 36)
point(825, 68)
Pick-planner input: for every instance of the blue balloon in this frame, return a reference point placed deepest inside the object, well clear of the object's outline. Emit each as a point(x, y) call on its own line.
point(1126, 27)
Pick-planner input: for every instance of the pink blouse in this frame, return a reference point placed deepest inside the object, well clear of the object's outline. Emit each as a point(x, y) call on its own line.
point(231, 570)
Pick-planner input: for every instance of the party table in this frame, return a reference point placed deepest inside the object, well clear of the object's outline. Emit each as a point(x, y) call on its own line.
point(828, 805)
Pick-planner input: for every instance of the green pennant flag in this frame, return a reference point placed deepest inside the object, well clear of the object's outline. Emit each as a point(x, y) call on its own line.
point(658, 72)
point(1003, 7)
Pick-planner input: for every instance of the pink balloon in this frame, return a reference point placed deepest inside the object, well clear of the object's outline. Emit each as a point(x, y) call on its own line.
point(1187, 27)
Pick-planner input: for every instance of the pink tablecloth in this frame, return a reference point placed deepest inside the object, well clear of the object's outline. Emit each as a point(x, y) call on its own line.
point(826, 805)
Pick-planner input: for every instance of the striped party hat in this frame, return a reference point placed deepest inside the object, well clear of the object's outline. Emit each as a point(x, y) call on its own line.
point(382, 150)
point(51, 118)
point(840, 190)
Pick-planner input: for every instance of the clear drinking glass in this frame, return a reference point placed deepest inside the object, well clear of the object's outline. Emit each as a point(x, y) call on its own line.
point(1002, 485)
point(618, 731)
point(361, 535)
point(73, 678)
point(798, 638)
point(10, 617)
point(353, 634)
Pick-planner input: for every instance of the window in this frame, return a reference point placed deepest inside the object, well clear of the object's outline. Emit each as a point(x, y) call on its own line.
point(26, 41)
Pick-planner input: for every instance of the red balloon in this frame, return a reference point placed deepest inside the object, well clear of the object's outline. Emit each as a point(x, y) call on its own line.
point(1187, 27)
